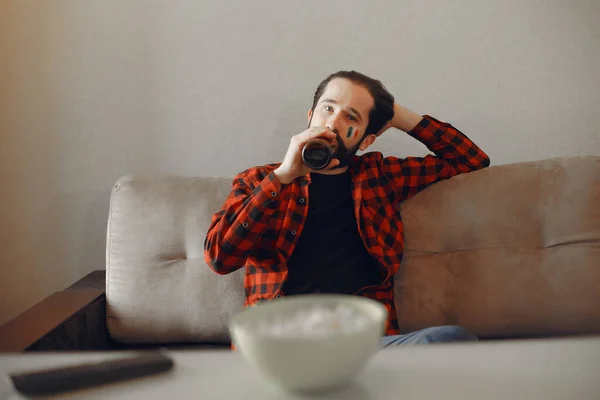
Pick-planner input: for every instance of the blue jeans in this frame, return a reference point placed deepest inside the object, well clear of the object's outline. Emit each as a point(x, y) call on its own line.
point(436, 334)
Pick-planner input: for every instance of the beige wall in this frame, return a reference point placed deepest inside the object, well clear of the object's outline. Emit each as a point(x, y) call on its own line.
point(92, 90)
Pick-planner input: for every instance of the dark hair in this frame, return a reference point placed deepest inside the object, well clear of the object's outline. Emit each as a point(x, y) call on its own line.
point(383, 110)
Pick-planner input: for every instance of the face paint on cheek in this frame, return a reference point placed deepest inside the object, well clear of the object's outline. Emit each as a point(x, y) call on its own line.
point(355, 133)
point(349, 134)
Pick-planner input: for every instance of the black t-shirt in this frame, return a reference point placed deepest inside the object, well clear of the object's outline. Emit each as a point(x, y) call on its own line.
point(330, 256)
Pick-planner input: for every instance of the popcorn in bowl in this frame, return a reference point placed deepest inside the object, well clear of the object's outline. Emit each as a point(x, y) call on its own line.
point(310, 343)
point(315, 321)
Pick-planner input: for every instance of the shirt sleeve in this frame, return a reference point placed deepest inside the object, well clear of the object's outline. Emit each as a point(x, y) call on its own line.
point(454, 153)
point(236, 228)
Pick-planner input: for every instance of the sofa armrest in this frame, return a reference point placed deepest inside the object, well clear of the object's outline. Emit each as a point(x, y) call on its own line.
point(72, 319)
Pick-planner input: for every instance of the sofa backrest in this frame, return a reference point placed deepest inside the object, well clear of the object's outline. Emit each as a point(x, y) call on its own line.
point(158, 286)
point(511, 250)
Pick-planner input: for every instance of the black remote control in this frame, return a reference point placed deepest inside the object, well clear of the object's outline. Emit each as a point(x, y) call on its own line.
point(63, 379)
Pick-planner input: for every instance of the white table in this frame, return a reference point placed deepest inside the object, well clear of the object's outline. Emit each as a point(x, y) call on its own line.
point(535, 369)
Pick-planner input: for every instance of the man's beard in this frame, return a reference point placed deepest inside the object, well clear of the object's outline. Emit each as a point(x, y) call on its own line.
point(343, 153)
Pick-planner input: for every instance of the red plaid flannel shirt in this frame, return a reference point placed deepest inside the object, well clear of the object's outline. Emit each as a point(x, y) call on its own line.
point(262, 219)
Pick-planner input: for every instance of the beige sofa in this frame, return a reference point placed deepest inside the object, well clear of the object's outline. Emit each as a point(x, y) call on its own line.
point(508, 251)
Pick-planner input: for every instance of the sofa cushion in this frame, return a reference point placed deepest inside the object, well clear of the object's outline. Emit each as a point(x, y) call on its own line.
point(512, 250)
point(158, 287)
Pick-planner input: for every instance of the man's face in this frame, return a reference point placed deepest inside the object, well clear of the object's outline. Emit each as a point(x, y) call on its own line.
point(344, 108)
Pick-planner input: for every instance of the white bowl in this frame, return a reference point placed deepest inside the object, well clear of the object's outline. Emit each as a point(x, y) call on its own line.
point(308, 363)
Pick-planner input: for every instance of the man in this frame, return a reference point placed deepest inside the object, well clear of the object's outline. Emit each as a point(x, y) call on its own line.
point(337, 230)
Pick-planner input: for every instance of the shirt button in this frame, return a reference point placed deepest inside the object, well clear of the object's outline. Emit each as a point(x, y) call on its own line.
point(273, 194)
point(245, 224)
point(301, 200)
point(294, 232)
point(278, 296)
